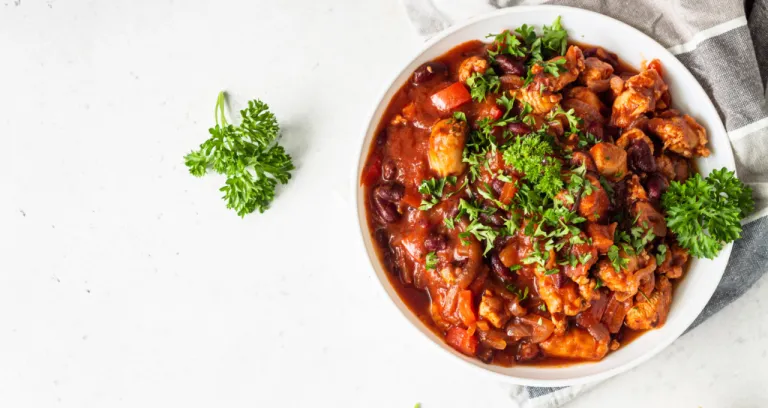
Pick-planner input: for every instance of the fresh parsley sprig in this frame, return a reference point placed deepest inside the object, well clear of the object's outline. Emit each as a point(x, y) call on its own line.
point(532, 155)
point(248, 154)
point(706, 213)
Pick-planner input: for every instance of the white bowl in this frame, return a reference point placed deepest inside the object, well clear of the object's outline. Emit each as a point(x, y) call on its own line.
point(633, 47)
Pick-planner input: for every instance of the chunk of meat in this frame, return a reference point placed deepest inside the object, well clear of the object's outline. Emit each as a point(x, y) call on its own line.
point(631, 136)
point(585, 104)
point(596, 75)
point(541, 102)
point(617, 85)
point(470, 66)
point(446, 146)
point(576, 343)
point(594, 206)
point(635, 190)
point(611, 160)
point(580, 252)
point(673, 167)
point(674, 260)
point(640, 94)
point(626, 282)
point(588, 97)
point(583, 159)
point(651, 311)
point(574, 65)
point(601, 235)
point(564, 299)
point(615, 312)
point(649, 217)
point(680, 134)
point(493, 310)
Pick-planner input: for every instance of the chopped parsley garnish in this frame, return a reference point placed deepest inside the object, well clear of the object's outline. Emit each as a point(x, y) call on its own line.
point(482, 84)
point(617, 261)
point(482, 233)
point(460, 116)
point(661, 253)
point(522, 294)
point(431, 261)
point(434, 189)
point(506, 43)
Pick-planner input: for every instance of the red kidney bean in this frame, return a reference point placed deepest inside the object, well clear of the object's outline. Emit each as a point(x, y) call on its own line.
point(436, 242)
point(386, 210)
point(510, 65)
point(381, 139)
point(382, 237)
point(428, 71)
point(610, 132)
point(391, 192)
point(619, 200)
point(388, 170)
point(519, 128)
point(493, 219)
point(527, 351)
point(596, 129)
point(498, 268)
point(640, 158)
point(485, 354)
point(497, 185)
point(656, 185)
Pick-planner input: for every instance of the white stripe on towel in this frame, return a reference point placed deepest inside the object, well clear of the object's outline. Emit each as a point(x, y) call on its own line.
point(697, 39)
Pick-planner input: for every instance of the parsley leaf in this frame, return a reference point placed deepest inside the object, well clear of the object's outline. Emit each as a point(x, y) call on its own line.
point(482, 232)
point(431, 261)
point(434, 188)
point(247, 154)
point(617, 261)
point(705, 214)
point(555, 38)
point(482, 84)
point(661, 254)
point(506, 43)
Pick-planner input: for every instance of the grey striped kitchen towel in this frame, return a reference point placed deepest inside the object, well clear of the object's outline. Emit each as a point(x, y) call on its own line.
point(724, 43)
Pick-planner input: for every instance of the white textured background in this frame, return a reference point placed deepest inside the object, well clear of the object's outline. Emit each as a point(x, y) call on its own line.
point(124, 282)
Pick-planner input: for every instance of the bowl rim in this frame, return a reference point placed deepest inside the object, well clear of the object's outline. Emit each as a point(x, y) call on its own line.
point(362, 222)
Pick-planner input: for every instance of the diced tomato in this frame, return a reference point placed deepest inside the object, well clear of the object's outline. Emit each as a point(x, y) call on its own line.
point(495, 112)
point(461, 340)
point(451, 97)
point(656, 66)
point(465, 308)
point(411, 198)
point(489, 110)
point(508, 192)
point(371, 173)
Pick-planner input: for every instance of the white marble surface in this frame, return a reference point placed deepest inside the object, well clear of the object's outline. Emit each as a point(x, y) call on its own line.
point(125, 282)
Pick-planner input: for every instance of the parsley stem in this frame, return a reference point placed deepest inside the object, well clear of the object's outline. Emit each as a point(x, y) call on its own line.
point(218, 112)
